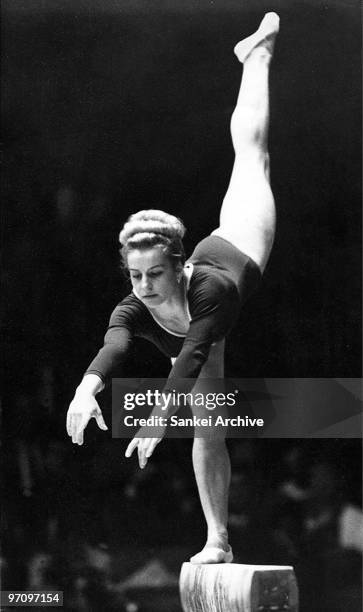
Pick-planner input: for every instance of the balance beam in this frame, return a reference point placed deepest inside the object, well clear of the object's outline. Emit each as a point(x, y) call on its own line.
point(231, 587)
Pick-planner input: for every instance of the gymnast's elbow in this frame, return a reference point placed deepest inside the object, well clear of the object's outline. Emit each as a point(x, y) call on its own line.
point(107, 362)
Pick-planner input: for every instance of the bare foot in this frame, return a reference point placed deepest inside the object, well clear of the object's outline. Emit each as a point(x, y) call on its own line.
point(264, 37)
point(212, 554)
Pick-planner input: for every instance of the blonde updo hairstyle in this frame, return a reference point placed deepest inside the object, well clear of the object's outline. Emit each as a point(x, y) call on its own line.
point(148, 228)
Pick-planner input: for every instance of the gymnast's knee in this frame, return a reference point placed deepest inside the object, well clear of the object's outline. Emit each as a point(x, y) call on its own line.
point(248, 134)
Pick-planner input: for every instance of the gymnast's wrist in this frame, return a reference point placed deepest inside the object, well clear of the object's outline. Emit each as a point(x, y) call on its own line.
point(90, 385)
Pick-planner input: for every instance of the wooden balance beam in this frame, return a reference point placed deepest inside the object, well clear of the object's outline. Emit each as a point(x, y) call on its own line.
point(231, 587)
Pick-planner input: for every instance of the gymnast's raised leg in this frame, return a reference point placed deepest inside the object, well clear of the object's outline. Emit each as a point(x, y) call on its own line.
point(247, 217)
point(247, 220)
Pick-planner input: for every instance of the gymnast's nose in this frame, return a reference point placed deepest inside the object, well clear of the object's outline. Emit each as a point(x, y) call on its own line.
point(146, 283)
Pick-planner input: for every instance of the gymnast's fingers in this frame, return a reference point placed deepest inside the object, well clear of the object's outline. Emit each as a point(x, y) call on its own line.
point(71, 421)
point(100, 420)
point(151, 447)
point(142, 448)
point(81, 426)
point(73, 426)
point(131, 447)
point(68, 423)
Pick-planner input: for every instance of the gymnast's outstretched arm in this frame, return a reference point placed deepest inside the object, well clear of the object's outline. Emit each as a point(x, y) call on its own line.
point(84, 405)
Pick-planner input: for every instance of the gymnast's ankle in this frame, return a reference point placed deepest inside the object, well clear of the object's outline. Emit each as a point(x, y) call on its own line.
point(218, 540)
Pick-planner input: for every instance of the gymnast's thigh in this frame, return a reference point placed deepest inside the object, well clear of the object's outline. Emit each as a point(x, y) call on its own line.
point(214, 366)
point(248, 215)
point(213, 369)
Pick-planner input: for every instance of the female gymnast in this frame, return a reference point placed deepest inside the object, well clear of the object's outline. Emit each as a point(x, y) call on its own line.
point(187, 310)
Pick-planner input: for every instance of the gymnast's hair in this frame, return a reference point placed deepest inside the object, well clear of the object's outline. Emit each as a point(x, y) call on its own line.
point(149, 228)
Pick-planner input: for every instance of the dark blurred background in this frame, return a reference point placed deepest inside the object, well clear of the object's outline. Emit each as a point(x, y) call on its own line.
point(111, 106)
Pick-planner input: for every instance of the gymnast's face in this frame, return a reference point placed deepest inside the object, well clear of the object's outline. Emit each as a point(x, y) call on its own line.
point(153, 276)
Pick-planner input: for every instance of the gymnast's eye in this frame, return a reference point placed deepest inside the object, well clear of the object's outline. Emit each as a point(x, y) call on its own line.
point(136, 276)
point(154, 274)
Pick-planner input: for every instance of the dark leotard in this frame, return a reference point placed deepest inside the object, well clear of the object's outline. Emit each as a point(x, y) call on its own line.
point(222, 280)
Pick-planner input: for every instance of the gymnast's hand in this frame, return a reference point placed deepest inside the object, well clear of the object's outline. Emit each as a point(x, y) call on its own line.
point(83, 407)
point(145, 446)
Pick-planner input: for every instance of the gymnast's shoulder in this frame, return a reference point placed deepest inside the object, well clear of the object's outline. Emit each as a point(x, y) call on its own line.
point(208, 282)
point(129, 311)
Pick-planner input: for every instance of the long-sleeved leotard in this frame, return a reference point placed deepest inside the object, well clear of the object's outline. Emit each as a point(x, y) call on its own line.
point(220, 283)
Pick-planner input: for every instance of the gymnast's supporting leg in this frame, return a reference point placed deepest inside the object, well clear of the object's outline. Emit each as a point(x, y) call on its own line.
point(247, 217)
point(212, 469)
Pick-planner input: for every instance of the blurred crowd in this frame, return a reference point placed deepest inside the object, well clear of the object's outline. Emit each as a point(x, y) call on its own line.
point(88, 522)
